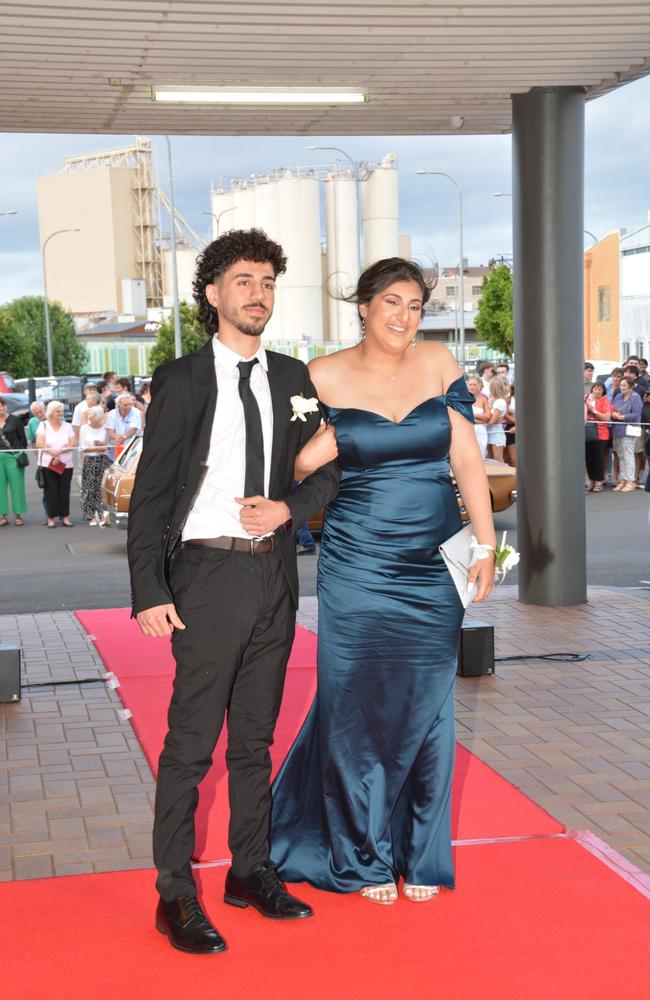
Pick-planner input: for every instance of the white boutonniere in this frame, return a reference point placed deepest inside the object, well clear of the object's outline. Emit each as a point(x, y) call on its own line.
point(300, 406)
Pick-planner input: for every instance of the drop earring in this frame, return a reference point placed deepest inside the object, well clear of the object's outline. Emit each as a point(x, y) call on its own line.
point(414, 342)
point(363, 329)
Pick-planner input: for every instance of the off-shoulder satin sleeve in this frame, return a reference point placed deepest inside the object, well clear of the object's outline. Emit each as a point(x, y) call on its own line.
point(460, 399)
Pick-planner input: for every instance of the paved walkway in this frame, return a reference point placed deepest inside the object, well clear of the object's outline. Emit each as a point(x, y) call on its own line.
point(76, 792)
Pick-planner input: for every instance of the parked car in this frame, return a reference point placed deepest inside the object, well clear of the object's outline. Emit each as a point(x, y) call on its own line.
point(68, 389)
point(117, 483)
point(117, 487)
point(18, 404)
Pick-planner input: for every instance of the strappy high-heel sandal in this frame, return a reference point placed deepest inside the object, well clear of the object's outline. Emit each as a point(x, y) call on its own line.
point(420, 893)
point(385, 895)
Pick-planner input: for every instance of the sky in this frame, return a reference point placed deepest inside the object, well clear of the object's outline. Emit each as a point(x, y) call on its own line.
point(617, 181)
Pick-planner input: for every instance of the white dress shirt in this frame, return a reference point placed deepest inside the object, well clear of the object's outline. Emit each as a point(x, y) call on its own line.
point(215, 512)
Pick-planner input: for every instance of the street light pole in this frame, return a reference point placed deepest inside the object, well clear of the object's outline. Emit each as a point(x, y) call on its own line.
point(46, 307)
point(178, 345)
point(461, 269)
point(217, 215)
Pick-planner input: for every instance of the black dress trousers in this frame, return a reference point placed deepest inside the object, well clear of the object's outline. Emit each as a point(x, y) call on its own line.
point(230, 661)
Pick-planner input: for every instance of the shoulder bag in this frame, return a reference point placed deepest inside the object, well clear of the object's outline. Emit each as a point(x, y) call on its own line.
point(22, 460)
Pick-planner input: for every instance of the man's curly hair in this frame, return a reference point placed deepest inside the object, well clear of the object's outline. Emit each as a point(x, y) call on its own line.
point(218, 256)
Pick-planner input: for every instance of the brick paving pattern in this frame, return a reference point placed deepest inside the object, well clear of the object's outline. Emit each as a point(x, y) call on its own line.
point(76, 792)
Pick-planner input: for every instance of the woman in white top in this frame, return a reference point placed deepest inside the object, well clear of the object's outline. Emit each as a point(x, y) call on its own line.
point(498, 403)
point(94, 445)
point(55, 438)
point(481, 412)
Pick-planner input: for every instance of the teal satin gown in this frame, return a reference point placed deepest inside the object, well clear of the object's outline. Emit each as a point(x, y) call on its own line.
point(363, 796)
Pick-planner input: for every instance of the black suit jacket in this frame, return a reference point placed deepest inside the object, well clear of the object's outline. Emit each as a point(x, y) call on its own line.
point(173, 465)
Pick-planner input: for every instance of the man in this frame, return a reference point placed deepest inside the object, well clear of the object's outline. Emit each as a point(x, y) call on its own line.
point(108, 389)
point(212, 559)
point(613, 381)
point(503, 368)
point(588, 377)
point(124, 385)
point(124, 422)
point(486, 371)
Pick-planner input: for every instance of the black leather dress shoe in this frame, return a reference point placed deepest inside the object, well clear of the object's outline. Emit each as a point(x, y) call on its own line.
point(187, 927)
point(264, 890)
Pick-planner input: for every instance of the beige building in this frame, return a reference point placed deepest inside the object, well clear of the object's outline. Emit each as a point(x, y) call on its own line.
point(109, 198)
point(444, 295)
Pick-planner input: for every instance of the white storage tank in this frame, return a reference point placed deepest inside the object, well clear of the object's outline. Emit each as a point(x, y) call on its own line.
point(299, 216)
point(380, 210)
point(186, 269)
point(342, 235)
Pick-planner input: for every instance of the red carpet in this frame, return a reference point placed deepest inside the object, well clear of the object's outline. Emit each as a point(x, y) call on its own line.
point(533, 920)
point(484, 804)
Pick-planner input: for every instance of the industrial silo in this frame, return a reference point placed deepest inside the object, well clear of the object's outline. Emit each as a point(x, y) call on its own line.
point(380, 210)
point(286, 206)
point(342, 234)
point(299, 216)
point(267, 217)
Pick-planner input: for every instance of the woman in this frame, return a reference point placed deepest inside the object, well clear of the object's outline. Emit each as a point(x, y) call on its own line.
point(598, 411)
point(481, 412)
point(55, 438)
point(12, 475)
point(93, 445)
point(626, 411)
point(510, 450)
point(363, 796)
point(498, 403)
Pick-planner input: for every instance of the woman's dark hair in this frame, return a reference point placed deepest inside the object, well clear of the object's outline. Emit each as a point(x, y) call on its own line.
point(601, 385)
point(384, 273)
point(218, 256)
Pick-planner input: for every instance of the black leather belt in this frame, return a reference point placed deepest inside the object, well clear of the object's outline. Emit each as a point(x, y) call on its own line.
point(252, 546)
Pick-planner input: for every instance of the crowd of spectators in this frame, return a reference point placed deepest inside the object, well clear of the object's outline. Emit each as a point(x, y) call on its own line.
point(617, 427)
point(102, 425)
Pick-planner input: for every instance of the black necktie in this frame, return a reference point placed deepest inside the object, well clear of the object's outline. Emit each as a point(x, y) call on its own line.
point(254, 482)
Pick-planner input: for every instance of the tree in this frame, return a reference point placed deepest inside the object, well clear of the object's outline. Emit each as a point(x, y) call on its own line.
point(192, 336)
point(22, 329)
point(494, 317)
point(15, 354)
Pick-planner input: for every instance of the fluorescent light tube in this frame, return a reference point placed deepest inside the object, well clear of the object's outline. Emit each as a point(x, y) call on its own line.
point(258, 95)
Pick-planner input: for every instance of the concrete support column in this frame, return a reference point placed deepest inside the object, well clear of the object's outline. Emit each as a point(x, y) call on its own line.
point(548, 155)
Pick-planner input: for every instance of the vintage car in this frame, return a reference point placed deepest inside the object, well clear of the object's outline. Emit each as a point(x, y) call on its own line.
point(117, 483)
point(117, 486)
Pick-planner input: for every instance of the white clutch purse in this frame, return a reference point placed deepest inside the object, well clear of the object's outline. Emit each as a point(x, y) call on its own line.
point(458, 553)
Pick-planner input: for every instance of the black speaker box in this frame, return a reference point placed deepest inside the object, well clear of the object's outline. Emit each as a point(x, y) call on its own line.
point(476, 650)
point(9, 673)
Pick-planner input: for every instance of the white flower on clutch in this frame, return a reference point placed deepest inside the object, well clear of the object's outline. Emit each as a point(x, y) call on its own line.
point(301, 406)
point(506, 558)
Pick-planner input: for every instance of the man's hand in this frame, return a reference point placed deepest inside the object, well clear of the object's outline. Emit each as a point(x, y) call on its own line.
point(159, 621)
point(319, 450)
point(481, 578)
point(260, 515)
